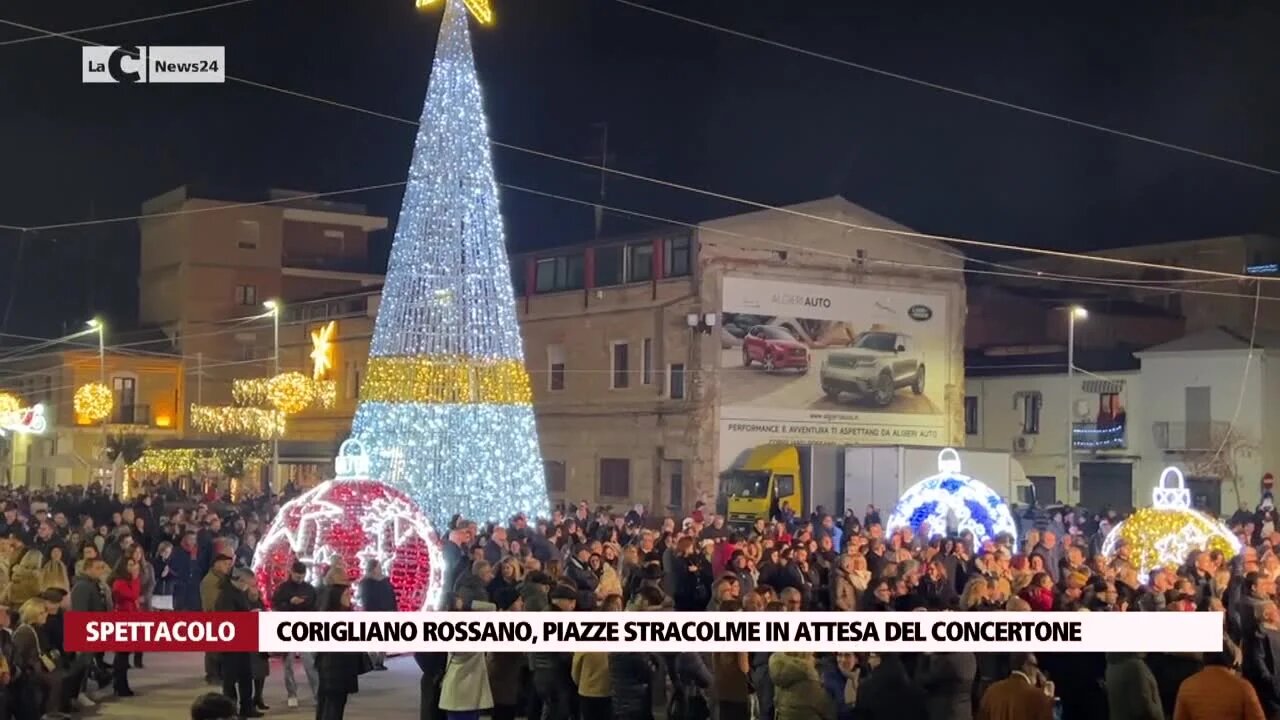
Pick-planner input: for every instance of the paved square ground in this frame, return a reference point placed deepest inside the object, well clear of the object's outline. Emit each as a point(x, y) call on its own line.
point(170, 681)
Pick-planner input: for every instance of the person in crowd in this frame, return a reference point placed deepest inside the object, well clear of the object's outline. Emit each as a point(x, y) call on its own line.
point(126, 596)
point(377, 595)
point(841, 680)
point(591, 676)
point(1025, 695)
point(1217, 693)
point(42, 679)
point(339, 671)
point(211, 588)
point(295, 594)
point(799, 692)
point(1132, 692)
point(504, 669)
point(259, 663)
point(236, 668)
point(213, 706)
point(184, 571)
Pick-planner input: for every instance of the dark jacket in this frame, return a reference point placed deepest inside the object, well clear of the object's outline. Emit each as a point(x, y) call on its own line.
point(799, 694)
point(1170, 669)
point(377, 595)
point(233, 599)
point(693, 587)
point(339, 672)
point(285, 591)
point(504, 677)
point(185, 574)
point(631, 675)
point(87, 595)
point(470, 588)
point(581, 575)
point(947, 679)
point(1262, 668)
point(1132, 693)
point(888, 694)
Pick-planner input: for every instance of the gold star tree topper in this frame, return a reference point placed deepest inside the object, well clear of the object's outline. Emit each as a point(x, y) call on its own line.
point(481, 9)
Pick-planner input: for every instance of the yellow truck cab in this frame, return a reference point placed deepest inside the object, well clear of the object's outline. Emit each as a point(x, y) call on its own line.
point(764, 479)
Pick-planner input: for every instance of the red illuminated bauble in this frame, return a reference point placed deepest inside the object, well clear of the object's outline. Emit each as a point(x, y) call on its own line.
point(355, 520)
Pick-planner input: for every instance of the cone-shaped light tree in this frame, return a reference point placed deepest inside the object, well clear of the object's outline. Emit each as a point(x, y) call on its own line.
point(446, 407)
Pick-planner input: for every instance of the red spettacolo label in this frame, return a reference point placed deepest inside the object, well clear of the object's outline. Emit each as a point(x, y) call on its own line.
point(161, 632)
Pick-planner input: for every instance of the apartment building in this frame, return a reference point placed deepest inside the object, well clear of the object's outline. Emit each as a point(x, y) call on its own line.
point(148, 394)
point(659, 358)
point(210, 259)
point(1204, 402)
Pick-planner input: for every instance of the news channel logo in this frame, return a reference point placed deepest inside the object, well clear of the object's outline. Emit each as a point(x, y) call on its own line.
point(133, 64)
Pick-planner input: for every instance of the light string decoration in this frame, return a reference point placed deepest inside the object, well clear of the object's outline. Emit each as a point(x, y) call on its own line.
point(93, 401)
point(246, 422)
point(351, 520)
point(196, 461)
point(291, 392)
point(951, 502)
point(446, 409)
point(9, 403)
point(1164, 534)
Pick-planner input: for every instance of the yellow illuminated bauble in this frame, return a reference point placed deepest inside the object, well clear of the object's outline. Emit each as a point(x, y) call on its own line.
point(93, 401)
point(290, 392)
point(9, 403)
point(1166, 533)
point(481, 9)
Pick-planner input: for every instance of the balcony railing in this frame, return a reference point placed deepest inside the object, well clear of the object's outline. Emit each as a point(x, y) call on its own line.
point(130, 415)
point(1092, 436)
point(1189, 436)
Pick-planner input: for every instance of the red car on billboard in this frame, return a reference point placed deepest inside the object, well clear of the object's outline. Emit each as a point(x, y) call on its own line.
point(775, 348)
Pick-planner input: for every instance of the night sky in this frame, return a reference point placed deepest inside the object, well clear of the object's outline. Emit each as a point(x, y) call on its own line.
point(683, 103)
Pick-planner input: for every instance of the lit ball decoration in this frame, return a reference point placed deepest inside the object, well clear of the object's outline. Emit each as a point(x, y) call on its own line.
point(446, 408)
point(290, 392)
point(9, 403)
point(953, 500)
point(1164, 534)
point(93, 401)
point(352, 519)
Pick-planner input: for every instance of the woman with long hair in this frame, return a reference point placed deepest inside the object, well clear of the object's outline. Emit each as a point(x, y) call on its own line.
point(126, 595)
point(339, 672)
point(147, 586)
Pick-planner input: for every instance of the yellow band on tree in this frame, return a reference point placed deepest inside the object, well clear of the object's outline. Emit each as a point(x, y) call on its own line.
point(447, 380)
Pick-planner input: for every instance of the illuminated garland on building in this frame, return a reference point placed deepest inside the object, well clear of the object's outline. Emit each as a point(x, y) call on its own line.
point(1165, 533)
point(9, 403)
point(237, 421)
point(953, 498)
point(353, 519)
point(446, 407)
point(93, 401)
point(188, 461)
point(291, 392)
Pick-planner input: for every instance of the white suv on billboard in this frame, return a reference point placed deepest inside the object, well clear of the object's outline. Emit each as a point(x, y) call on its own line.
point(874, 366)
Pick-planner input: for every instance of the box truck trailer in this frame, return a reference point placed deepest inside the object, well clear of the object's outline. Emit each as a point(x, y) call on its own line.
point(836, 478)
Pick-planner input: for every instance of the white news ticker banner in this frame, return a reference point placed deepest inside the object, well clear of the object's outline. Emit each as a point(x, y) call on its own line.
point(706, 632)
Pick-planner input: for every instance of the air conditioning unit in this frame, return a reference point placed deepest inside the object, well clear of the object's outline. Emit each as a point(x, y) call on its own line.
point(1024, 444)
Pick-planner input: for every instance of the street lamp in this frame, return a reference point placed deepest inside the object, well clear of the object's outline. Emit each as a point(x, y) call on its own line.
point(273, 307)
point(1074, 312)
point(97, 325)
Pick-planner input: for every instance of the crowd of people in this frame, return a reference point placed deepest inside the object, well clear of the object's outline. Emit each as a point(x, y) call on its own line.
point(87, 550)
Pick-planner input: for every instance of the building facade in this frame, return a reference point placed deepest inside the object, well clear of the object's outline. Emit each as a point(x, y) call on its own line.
point(636, 347)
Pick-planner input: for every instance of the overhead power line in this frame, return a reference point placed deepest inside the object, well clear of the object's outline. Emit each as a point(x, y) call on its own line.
point(955, 91)
point(123, 23)
point(900, 233)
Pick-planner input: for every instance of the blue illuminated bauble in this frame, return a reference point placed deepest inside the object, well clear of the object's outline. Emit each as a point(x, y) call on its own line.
point(953, 501)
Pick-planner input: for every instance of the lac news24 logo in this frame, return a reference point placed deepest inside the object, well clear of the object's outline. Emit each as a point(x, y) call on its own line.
point(132, 64)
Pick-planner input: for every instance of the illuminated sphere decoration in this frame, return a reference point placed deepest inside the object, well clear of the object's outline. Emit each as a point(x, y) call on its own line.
point(9, 403)
point(290, 392)
point(355, 519)
point(1164, 534)
point(953, 501)
point(94, 401)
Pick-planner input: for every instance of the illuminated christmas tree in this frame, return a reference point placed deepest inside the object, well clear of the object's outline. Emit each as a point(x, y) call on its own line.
point(446, 407)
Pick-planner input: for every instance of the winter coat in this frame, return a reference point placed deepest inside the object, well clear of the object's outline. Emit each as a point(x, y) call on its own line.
point(798, 694)
point(730, 682)
point(466, 683)
point(843, 593)
point(1170, 669)
point(1040, 599)
point(126, 594)
point(504, 671)
point(469, 589)
point(631, 676)
point(581, 575)
point(947, 679)
point(888, 694)
point(591, 674)
point(210, 588)
point(280, 599)
point(339, 672)
point(693, 587)
point(185, 575)
point(1132, 693)
point(146, 585)
point(610, 582)
point(87, 596)
point(839, 688)
point(377, 595)
point(233, 599)
point(1262, 668)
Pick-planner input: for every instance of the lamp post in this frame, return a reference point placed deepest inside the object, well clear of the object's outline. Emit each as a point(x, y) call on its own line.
point(97, 325)
point(273, 307)
point(1075, 312)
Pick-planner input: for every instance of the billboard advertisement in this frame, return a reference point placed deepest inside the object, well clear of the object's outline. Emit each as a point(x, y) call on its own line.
point(829, 364)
